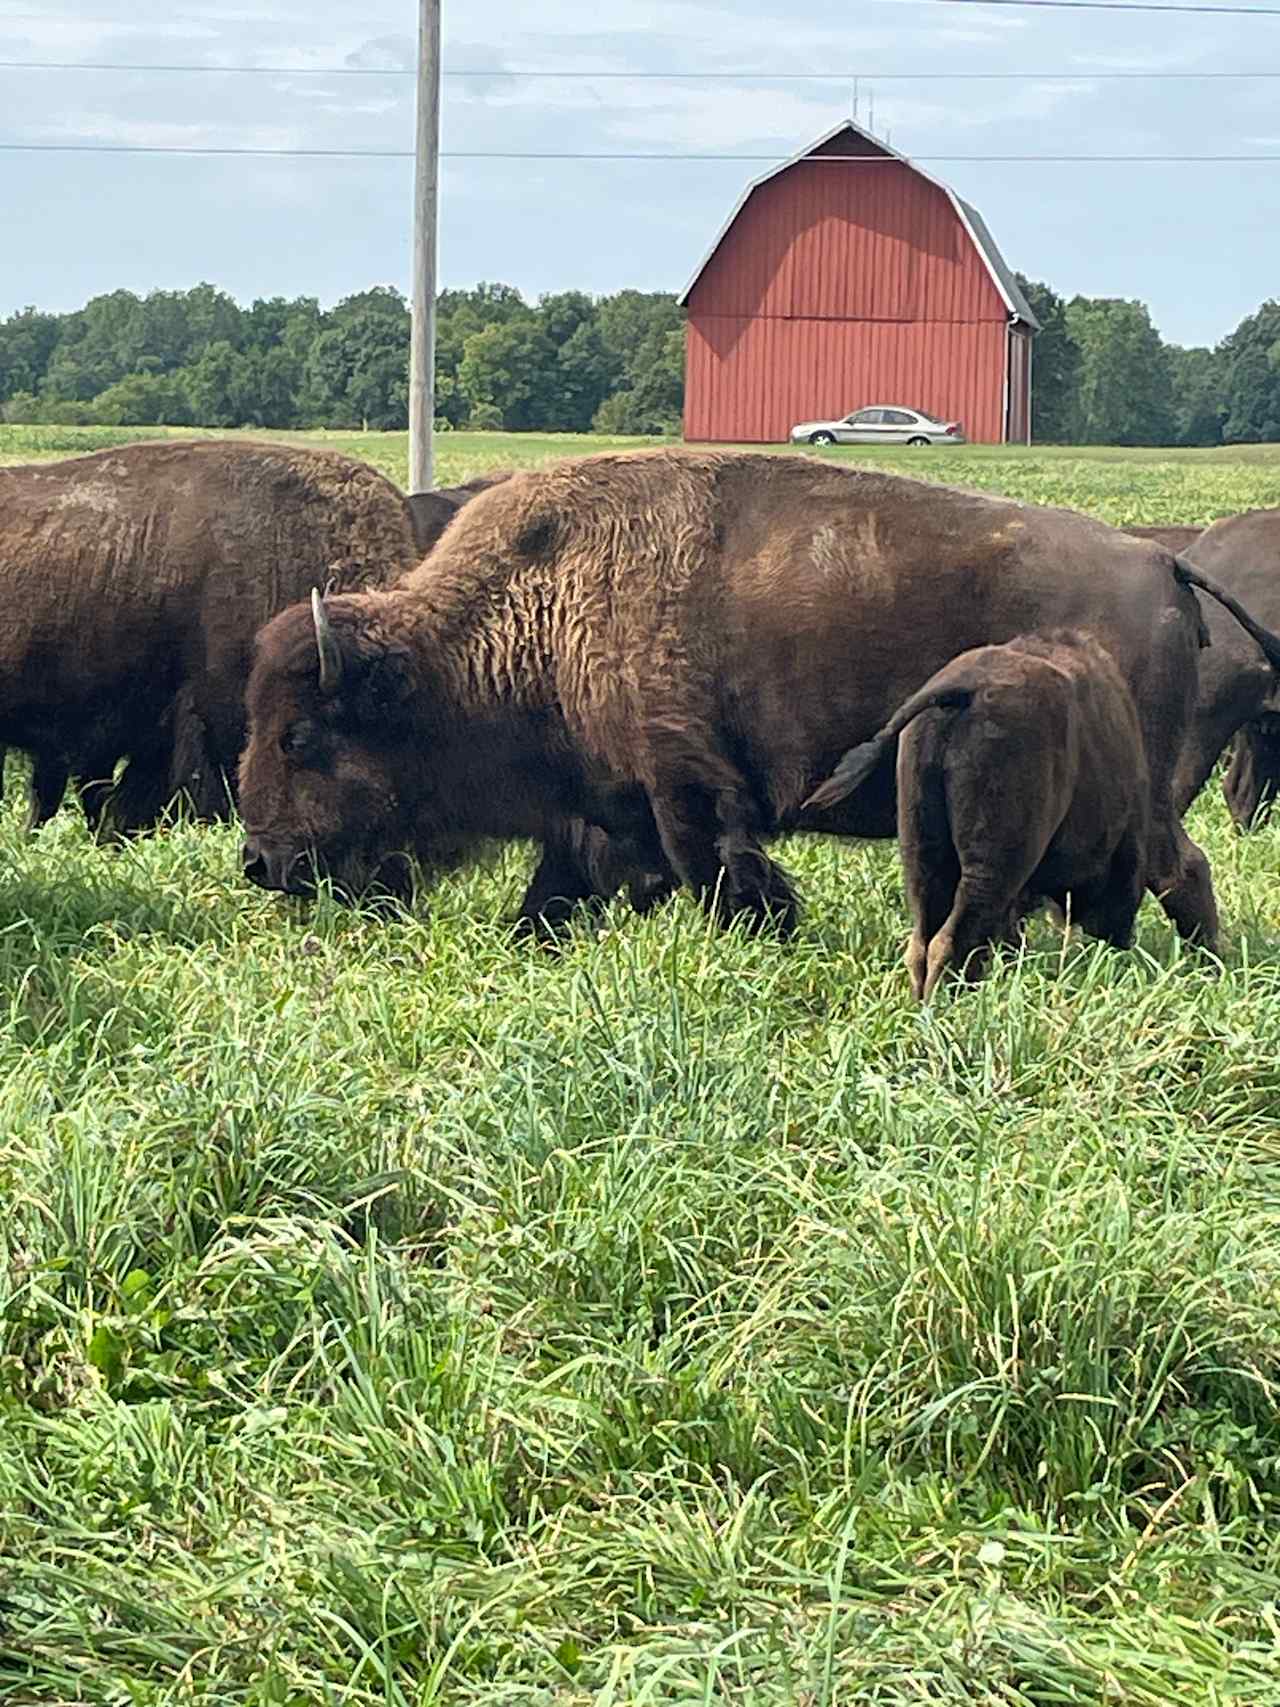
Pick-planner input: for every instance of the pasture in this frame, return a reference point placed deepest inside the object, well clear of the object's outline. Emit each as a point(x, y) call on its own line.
point(405, 1314)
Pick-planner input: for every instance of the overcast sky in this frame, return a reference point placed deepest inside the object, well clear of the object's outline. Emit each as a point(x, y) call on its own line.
point(1199, 243)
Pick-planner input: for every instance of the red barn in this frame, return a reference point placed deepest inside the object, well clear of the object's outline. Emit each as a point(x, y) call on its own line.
point(848, 277)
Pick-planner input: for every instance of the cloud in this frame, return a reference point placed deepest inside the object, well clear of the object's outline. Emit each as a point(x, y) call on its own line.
point(384, 53)
point(108, 127)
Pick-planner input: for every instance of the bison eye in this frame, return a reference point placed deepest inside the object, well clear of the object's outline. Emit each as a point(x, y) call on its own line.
point(296, 739)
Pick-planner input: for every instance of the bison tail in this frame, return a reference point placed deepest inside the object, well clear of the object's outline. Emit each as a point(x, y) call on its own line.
point(859, 762)
point(1190, 576)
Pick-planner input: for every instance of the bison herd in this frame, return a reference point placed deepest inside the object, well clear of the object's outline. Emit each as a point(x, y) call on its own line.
point(650, 663)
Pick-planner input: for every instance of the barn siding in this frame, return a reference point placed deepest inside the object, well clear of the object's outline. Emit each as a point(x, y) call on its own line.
point(748, 381)
point(840, 285)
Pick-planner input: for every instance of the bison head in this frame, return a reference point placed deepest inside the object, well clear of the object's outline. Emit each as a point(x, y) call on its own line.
point(329, 777)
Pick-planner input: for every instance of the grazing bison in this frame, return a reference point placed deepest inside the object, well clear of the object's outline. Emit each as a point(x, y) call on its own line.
point(135, 580)
point(675, 648)
point(1022, 777)
point(1238, 693)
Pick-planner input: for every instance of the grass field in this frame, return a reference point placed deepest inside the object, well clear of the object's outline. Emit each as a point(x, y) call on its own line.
point(402, 1315)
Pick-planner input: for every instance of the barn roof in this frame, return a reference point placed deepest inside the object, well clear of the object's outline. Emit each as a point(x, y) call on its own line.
point(969, 217)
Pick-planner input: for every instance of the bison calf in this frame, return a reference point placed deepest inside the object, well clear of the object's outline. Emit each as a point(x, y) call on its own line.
point(1021, 777)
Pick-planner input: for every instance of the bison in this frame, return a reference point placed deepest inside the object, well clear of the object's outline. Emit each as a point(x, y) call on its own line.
point(1022, 777)
point(673, 648)
point(1238, 704)
point(135, 580)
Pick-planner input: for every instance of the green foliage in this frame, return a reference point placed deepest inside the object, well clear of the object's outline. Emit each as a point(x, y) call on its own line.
point(357, 372)
point(408, 1315)
point(1125, 394)
point(145, 399)
point(499, 360)
point(217, 386)
point(1055, 368)
point(1251, 356)
point(509, 371)
point(27, 341)
point(1198, 390)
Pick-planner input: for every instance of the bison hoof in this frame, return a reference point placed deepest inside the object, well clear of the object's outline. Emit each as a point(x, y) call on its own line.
point(650, 892)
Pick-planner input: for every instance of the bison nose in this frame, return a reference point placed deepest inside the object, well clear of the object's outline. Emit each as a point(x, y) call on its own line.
point(257, 866)
point(277, 868)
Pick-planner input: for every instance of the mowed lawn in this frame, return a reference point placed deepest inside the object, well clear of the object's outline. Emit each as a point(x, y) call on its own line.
point(403, 1314)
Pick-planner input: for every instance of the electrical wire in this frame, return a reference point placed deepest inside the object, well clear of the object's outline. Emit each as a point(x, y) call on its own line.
point(515, 154)
point(1083, 73)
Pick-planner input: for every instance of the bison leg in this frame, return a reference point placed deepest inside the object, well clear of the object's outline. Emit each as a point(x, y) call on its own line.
point(930, 864)
point(49, 777)
point(138, 800)
point(1227, 706)
point(981, 916)
point(1253, 776)
point(931, 880)
point(560, 885)
point(95, 779)
point(583, 865)
point(711, 844)
point(1178, 876)
point(1107, 910)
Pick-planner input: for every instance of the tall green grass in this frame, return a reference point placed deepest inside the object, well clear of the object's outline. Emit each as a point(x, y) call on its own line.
point(411, 1315)
point(407, 1315)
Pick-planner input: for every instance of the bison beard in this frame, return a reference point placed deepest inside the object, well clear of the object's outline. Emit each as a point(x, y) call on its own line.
point(673, 649)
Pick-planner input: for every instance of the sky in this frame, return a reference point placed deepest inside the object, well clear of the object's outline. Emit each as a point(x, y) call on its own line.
point(1200, 243)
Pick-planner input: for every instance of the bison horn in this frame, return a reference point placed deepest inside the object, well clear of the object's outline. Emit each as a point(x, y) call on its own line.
point(326, 646)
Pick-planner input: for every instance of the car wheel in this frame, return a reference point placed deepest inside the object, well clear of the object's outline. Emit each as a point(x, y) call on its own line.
point(822, 439)
point(918, 440)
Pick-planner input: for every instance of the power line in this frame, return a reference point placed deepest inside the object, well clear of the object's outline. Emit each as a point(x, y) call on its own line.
point(213, 149)
point(1081, 74)
point(1111, 6)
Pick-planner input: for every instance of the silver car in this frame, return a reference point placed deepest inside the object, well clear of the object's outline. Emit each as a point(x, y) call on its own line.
point(883, 424)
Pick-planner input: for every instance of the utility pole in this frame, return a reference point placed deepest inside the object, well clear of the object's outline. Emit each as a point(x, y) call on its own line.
point(426, 196)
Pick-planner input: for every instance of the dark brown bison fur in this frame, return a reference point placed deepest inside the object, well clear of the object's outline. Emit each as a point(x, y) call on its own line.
point(134, 582)
point(1022, 777)
point(1237, 704)
point(1176, 538)
point(675, 648)
point(433, 511)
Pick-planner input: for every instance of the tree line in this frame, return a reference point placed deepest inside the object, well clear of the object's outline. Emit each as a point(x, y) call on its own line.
point(1102, 375)
point(567, 363)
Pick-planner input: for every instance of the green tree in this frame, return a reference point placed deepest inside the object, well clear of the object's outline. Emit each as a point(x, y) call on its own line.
point(22, 410)
point(489, 303)
point(561, 315)
point(1126, 384)
point(1250, 357)
point(644, 332)
point(511, 367)
point(143, 400)
point(218, 387)
point(1055, 370)
point(588, 373)
point(1198, 395)
point(27, 341)
point(357, 368)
